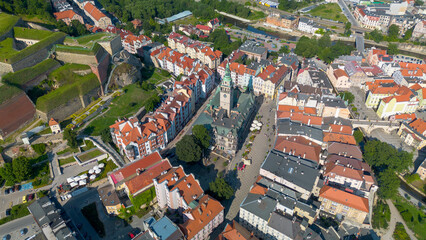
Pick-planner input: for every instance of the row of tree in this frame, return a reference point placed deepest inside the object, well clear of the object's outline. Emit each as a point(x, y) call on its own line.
point(386, 162)
point(322, 47)
point(192, 147)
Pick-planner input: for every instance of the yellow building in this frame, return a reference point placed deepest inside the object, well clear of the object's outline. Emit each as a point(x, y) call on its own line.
point(343, 204)
point(393, 105)
point(110, 200)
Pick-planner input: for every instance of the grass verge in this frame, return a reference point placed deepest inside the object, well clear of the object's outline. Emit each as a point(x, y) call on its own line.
point(413, 217)
point(17, 211)
point(329, 11)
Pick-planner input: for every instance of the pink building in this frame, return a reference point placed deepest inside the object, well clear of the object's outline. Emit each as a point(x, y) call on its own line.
point(132, 43)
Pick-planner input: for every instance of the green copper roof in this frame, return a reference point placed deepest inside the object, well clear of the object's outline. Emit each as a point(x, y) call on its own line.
point(227, 77)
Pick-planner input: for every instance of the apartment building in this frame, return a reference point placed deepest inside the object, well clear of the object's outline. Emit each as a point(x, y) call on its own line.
point(253, 50)
point(308, 26)
point(338, 77)
point(285, 22)
point(175, 190)
point(98, 17)
point(132, 43)
point(414, 133)
point(343, 204)
point(268, 81)
point(291, 171)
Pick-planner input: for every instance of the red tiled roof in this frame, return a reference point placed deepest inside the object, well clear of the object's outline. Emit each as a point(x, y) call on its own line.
point(298, 146)
point(15, 112)
point(340, 129)
point(307, 110)
point(65, 14)
point(336, 137)
point(340, 73)
point(344, 198)
point(93, 11)
point(346, 150)
point(406, 116)
point(131, 169)
point(144, 179)
point(419, 125)
point(207, 209)
point(203, 27)
point(300, 117)
point(234, 231)
point(53, 122)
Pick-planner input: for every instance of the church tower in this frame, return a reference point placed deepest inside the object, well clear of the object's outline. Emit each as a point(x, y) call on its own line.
point(226, 92)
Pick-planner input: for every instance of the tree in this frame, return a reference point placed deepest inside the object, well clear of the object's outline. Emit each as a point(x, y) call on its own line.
point(188, 150)
point(39, 148)
point(106, 135)
point(201, 136)
point(408, 34)
point(306, 47)
point(393, 32)
point(388, 184)
point(7, 174)
point(284, 49)
point(324, 41)
point(418, 3)
point(21, 168)
point(152, 102)
point(393, 49)
point(376, 36)
point(348, 96)
point(359, 137)
point(348, 31)
point(147, 86)
point(71, 137)
point(382, 156)
point(221, 188)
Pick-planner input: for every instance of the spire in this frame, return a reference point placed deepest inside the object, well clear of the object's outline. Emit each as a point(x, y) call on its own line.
point(227, 77)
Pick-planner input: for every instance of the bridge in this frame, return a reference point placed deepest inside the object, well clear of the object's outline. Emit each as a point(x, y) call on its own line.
point(369, 125)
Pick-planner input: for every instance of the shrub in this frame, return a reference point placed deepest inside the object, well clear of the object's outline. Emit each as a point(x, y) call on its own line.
point(39, 148)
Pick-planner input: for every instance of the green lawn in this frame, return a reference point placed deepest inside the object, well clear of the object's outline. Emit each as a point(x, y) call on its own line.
point(137, 202)
point(29, 33)
point(413, 217)
point(91, 214)
point(329, 11)
point(63, 94)
point(66, 161)
point(8, 92)
point(78, 50)
point(17, 211)
point(6, 47)
point(399, 233)
point(65, 74)
point(90, 155)
point(89, 145)
point(21, 77)
point(41, 175)
point(7, 22)
point(125, 105)
point(83, 40)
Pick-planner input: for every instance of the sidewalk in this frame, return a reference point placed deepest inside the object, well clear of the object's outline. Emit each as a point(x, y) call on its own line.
point(396, 217)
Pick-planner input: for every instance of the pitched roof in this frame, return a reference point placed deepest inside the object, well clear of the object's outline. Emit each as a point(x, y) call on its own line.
point(203, 27)
point(207, 209)
point(298, 146)
point(344, 198)
point(346, 150)
point(234, 231)
point(130, 170)
point(300, 117)
point(419, 125)
point(15, 112)
point(65, 14)
point(340, 73)
point(337, 137)
point(144, 179)
point(93, 11)
point(53, 122)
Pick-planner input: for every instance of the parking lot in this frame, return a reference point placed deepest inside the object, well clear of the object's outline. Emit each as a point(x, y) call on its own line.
point(12, 230)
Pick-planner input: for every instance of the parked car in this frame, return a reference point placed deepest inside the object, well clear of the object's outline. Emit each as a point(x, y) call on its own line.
point(24, 231)
point(8, 212)
point(131, 235)
point(6, 191)
point(24, 199)
point(6, 237)
point(30, 197)
point(17, 188)
point(11, 190)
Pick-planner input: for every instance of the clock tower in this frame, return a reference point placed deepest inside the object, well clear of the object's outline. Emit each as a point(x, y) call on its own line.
point(226, 92)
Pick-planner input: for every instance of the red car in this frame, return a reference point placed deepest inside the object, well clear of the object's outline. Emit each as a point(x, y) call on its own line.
point(30, 197)
point(131, 235)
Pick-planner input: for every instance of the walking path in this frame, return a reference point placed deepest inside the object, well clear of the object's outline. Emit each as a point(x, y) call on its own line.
point(396, 217)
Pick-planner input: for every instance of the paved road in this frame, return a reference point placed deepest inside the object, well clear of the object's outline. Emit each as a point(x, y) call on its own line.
point(13, 228)
point(257, 154)
point(348, 13)
point(396, 217)
point(359, 103)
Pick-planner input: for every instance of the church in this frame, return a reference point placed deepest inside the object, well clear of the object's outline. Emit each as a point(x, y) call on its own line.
point(228, 115)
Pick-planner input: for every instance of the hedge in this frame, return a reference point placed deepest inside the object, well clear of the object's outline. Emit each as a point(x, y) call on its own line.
point(67, 92)
point(25, 75)
point(7, 22)
point(18, 56)
point(29, 33)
